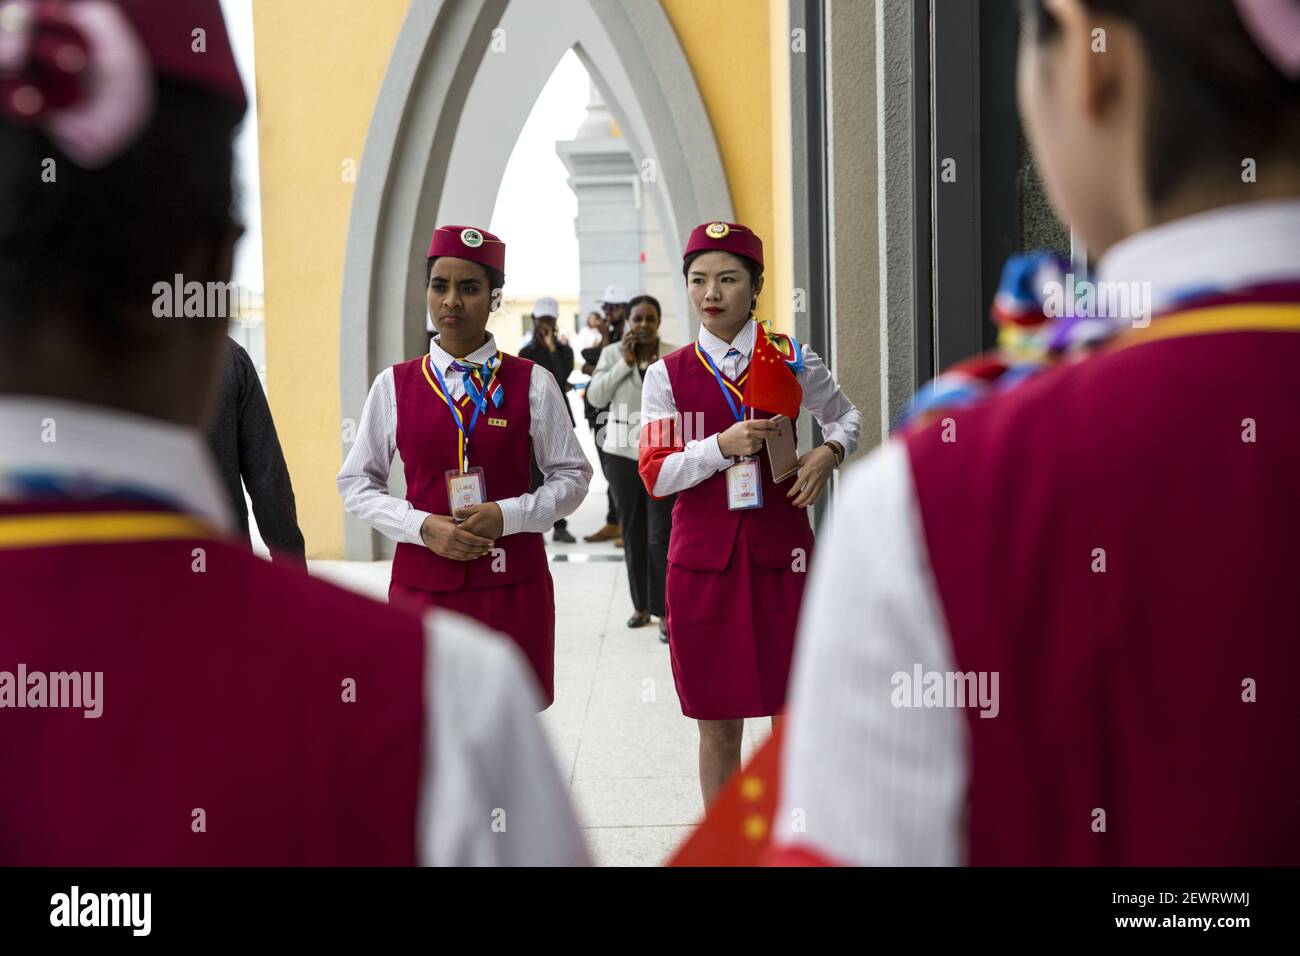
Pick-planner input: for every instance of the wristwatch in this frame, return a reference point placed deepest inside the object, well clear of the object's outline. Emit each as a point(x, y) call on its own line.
point(838, 451)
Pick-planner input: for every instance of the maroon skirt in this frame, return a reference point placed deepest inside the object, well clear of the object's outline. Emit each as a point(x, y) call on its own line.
point(523, 610)
point(731, 636)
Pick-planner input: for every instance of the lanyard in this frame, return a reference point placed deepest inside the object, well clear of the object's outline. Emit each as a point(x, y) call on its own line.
point(726, 387)
point(114, 527)
point(479, 400)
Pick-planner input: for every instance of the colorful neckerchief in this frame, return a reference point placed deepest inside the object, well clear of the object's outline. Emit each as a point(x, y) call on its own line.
point(463, 431)
point(1043, 316)
point(1036, 330)
point(477, 375)
point(787, 345)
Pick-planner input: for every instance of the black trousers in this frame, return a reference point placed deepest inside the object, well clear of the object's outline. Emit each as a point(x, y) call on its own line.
point(611, 510)
point(592, 414)
point(647, 525)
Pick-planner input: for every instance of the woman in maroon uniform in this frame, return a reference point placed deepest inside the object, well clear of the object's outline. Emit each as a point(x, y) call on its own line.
point(741, 540)
point(468, 420)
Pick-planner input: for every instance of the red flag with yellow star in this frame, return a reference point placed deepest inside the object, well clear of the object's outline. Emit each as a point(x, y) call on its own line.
point(737, 829)
point(772, 386)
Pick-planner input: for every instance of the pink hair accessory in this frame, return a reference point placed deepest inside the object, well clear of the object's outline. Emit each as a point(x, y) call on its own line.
point(1274, 25)
point(79, 72)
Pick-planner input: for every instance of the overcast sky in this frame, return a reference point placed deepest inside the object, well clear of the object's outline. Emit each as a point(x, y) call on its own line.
point(248, 258)
point(535, 207)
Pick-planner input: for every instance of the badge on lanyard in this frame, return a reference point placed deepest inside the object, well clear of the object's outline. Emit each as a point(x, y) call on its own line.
point(466, 486)
point(745, 478)
point(744, 485)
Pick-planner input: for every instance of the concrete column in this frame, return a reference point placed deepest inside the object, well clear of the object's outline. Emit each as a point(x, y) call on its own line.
point(856, 255)
point(871, 170)
point(603, 176)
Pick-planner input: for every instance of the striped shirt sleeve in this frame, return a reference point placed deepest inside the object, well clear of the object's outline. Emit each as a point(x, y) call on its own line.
point(670, 463)
point(865, 782)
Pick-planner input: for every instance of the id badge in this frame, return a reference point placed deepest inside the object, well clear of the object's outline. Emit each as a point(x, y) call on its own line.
point(744, 486)
point(464, 490)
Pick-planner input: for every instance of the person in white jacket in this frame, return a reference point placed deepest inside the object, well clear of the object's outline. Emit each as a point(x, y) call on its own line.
point(647, 522)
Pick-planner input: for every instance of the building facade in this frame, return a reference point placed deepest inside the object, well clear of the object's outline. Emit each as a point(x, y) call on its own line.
point(873, 144)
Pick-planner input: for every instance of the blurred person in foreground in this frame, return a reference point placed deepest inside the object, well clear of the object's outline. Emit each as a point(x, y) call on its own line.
point(236, 712)
point(1035, 629)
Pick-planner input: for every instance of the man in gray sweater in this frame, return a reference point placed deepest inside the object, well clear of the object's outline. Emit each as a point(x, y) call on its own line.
point(244, 443)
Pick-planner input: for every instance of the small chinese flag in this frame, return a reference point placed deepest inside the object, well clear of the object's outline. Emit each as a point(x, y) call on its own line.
point(772, 386)
point(737, 830)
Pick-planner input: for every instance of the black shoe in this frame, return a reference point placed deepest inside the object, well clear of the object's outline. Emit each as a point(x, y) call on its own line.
point(663, 631)
point(639, 619)
point(562, 536)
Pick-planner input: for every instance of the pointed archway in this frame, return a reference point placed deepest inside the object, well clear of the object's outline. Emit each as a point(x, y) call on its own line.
point(459, 86)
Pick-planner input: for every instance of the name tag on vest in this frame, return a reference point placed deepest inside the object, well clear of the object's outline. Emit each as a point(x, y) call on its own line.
point(499, 422)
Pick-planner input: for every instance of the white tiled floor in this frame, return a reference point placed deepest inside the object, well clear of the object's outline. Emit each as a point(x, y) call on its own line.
point(616, 727)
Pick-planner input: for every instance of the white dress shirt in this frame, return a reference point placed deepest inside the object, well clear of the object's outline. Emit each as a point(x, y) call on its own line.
point(486, 750)
point(880, 785)
point(363, 479)
point(701, 458)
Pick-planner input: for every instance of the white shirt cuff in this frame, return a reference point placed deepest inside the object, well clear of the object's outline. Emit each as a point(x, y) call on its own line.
point(512, 517)
point(713, 453)
point(838, 434)
point(412, 525)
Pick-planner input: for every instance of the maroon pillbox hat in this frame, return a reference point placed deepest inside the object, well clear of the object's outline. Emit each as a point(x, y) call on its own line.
point(468, 242)
point(725, 237)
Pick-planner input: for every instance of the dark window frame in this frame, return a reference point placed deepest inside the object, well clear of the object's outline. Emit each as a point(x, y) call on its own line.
point(970, 47)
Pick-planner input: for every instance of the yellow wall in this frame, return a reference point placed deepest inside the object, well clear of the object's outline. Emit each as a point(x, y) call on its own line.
point(316, 89)
point(736, 49)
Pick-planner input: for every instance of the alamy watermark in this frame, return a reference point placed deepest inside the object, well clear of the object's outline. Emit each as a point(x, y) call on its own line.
point(1090, 299)
point(129, 910)
point(625, 423)
point(82, 690)
point(179, 299)
point(922, 688)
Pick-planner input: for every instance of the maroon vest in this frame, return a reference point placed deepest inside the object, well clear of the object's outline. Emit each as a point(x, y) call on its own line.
point(223, 692)
point(704, 529)
point(1122, 690)
point(427, 442)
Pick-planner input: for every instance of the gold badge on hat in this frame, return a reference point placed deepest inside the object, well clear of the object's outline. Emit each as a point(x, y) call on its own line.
point(471, 237)
point(717, 230)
